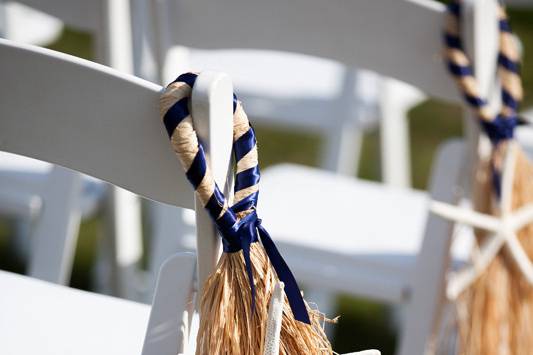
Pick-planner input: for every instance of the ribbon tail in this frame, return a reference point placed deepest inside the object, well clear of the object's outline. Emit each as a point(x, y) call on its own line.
point(299, 310)
point(248, 265)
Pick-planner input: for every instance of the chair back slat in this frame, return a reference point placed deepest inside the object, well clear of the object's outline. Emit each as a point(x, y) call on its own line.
point(88, 118)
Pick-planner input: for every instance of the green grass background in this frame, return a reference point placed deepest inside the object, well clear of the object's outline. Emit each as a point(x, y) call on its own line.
point(363, 324)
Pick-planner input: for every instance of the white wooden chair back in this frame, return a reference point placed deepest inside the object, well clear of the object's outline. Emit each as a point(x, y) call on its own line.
point(105, 124)
point(111, 130)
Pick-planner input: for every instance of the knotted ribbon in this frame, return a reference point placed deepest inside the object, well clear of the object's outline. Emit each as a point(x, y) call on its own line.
point(500, 127)
point(238, 224)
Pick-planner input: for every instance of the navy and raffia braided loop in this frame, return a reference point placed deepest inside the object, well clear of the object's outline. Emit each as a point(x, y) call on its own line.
point(501, 127)
point(238, 225)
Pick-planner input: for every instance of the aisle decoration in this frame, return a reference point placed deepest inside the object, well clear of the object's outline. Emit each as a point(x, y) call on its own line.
point(235, 300)
point(494, 295)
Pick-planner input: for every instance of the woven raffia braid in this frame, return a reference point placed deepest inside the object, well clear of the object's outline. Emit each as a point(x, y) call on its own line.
point(495, 315)
point(233, 315)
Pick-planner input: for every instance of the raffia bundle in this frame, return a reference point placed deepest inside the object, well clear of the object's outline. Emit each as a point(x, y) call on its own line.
point(495, 314)
point(234, 305)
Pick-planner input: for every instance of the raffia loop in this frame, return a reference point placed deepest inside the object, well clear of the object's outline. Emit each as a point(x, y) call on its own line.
point(228, 322)
point(461, 68)
point(230, 326)
point(499, 305)
point(173, 93)
point(241, 123)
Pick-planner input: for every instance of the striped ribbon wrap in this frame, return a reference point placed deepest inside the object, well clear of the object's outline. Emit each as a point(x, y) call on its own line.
point(238, 224)
point(499, 127)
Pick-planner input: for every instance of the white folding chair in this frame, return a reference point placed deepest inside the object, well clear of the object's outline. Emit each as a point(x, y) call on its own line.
point(399, 39)
point(97, 125)
point(57, 225)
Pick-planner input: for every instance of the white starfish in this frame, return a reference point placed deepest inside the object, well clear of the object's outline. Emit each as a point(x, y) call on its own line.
point(503, 229)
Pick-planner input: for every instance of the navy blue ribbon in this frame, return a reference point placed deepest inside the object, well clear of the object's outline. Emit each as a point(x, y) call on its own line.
point(499, 129)
point(241, 236)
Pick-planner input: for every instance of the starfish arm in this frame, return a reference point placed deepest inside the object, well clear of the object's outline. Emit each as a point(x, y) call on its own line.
point(464, 216)
point(508, 172)
point(520, 257)
point(522, 217)
point(465, 277)
point(275, 312)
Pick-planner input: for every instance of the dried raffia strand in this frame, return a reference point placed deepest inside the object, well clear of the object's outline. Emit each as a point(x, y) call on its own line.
point(495, 315)
point(228, 322)
point(227, 337)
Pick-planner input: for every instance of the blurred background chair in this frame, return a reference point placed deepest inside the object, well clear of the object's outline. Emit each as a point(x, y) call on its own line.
point(282, 88)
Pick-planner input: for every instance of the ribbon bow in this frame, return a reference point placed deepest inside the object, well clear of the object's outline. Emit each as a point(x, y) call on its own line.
point(237, 234)
point(241, 236)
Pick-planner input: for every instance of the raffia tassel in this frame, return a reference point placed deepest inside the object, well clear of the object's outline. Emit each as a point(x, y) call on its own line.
point(500, 303)
point(228, 325)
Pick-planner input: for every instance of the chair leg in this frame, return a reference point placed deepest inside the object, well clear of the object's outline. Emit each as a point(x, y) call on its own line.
point(121, 251)
point(343, 149)
point(395, 102)
point(428, 283)
point(55, 235)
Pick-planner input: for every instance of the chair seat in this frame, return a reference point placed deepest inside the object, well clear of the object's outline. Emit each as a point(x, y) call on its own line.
point(21, 177)
point(42, 318)
point(294, 89)
point(346, 234)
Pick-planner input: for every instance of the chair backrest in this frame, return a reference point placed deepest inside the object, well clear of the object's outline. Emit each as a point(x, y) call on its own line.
point(396, 38)
point(89, 118)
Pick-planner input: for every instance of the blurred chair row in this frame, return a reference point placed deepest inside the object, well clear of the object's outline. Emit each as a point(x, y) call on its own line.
point(348, 235)
point(278, 88)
